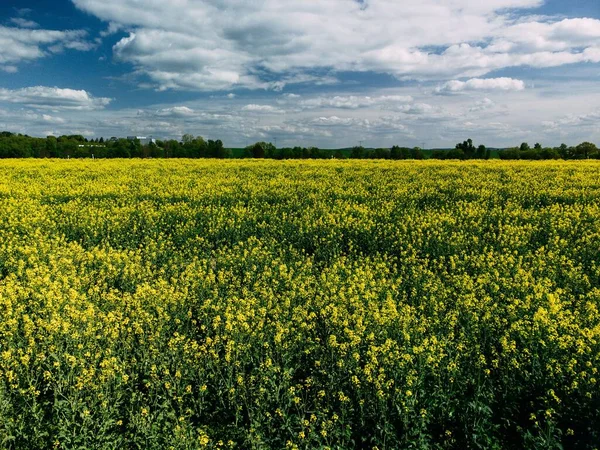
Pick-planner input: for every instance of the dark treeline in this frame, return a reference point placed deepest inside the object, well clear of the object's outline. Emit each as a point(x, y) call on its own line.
point(585, 150)
point(463, 150)
point(76, 146)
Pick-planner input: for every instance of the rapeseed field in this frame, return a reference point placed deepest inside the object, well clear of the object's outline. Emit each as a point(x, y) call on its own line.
point(299, 305)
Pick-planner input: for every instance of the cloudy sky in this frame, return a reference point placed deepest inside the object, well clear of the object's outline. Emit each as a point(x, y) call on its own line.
point(328, 73)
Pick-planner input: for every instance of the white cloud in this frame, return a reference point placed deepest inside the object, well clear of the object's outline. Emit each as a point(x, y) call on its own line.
point(294, 132)
point(261, 109)
point(24, 23)
point(23, 11)
point(439, 121)
point(199, 45)
point(176, 111)
point(19, 44)
point(586, 120)
point(112, 29)
point(379, 125)
point(52, 119)
point(54, 98)
point(482, 105)
point(564, 35)
point(481, 84)
point(9, 69)
point(353, 101)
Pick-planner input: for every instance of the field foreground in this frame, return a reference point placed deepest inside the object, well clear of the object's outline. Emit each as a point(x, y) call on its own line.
point(242, 304)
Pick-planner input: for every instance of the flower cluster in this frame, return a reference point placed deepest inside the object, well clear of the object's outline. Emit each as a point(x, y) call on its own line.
point(316, 304)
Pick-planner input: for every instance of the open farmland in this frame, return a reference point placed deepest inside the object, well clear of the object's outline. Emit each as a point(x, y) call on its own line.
point(242, 304)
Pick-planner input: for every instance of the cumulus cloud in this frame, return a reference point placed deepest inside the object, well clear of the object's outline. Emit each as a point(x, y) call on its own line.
point(585, 120)
point(20, 44)
point(296, 132)
point(261, 109)
point(353, 101)
point(481, 84)
point(24, 23)
point(176, 111)
point(482, 105)
point(52, 119)
point(9, 69)
point(54, 98)
point(179, 118)
point(199, 45)
point(378, 124)
point(563, 35)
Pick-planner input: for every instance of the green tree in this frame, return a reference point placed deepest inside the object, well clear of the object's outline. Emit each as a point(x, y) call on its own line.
point(261, 149)
point(481, 152)
point(417, 153)
point(510, 153)
point(586, 150)
point(358, 152)
point(51, 147)
point(467, 147)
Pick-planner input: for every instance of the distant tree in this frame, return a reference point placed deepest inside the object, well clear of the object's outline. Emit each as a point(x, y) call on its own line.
point(400, 152)
point(481, 152)
point(67, 147)
point(296, 152)
point(510, 153)
point(283, 153)
point(417, 153)
point(537, 146)
point(317, 153)
point(563, 149)
point(135, 148)
point(524, 147)
point(439, 154)
point(261, 149)
point(467, 147)
point(531, 154)
point(397, 152)
point(338, 154)
point(154, 151)
point(550, 153)
point(215, 149)
point(51, 147)
point(199, 148)
point(457, 153)
point(586, 150)
point(382, 153)
point(358, 152)
point(173, 148)
point(121, 148)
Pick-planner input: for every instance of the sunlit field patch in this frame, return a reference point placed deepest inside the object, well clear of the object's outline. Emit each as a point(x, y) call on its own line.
point(326, 304)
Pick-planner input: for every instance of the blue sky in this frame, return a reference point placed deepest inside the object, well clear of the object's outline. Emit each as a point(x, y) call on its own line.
point(328, 73)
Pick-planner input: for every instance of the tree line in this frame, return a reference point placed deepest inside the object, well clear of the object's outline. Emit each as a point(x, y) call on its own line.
point(585, 150)
point(76, 146)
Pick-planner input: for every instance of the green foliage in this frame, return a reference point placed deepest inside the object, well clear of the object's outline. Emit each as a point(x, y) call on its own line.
point(190, 146)
point(585, 150)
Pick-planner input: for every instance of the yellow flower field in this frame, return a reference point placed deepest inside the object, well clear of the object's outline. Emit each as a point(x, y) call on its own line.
point(318, 304)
